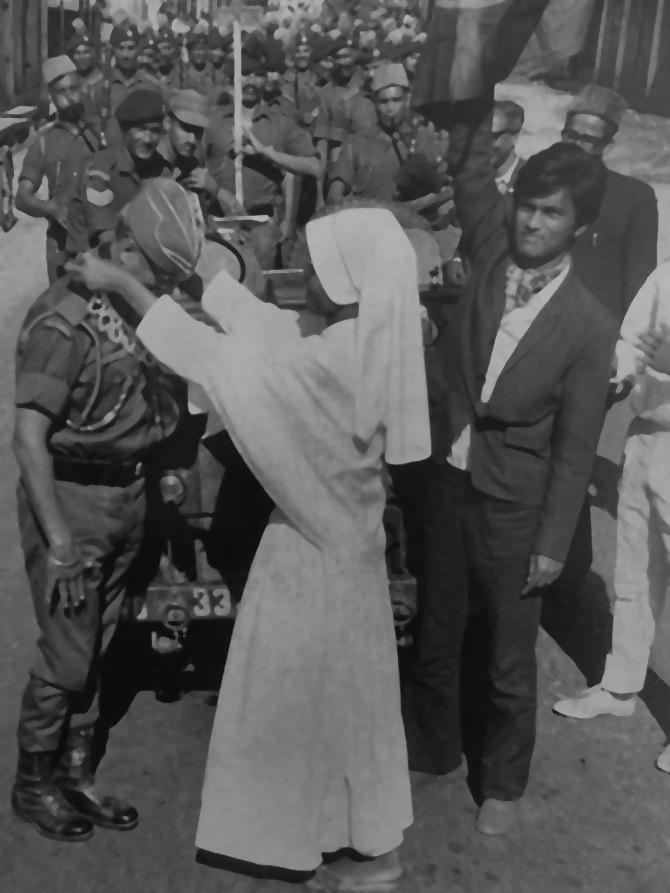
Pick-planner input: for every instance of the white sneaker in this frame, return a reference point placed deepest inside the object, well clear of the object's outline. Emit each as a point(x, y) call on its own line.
point(663, 760)
point(593, 702)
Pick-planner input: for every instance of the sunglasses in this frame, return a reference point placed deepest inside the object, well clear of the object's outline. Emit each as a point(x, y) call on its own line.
point(586, 139)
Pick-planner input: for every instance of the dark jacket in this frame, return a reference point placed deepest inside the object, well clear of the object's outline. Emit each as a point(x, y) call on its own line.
point(614, 257)
point(535, 440)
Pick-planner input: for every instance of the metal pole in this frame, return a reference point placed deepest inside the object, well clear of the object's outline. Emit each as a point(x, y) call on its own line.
point(62, 26)
point(237, 86)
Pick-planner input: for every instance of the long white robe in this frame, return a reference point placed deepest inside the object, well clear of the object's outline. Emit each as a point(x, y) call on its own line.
point(307, 753)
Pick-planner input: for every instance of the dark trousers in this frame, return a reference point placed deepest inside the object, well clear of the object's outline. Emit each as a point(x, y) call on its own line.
point(107, 524)
point(476, 561)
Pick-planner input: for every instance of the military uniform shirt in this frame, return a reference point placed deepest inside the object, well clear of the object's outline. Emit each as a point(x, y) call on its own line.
point(343, 111)
point(199, 79)
point(108, 398)
point(109, 182)
point(302, 90)
point(369, 160)
point(262, 179)
point(60, 154)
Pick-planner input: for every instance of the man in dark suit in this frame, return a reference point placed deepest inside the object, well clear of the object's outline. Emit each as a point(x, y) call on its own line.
point(518, 386)
point(617, 252)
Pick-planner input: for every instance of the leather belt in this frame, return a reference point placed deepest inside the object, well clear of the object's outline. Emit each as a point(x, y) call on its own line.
point(255, 210)
point(91, 473)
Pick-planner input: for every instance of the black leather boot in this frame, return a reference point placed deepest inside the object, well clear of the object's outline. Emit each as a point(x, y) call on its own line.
point(74, 777)
point(37, 800)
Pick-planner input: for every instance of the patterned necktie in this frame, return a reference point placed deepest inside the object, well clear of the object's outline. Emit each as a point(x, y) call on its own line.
point(523, 284)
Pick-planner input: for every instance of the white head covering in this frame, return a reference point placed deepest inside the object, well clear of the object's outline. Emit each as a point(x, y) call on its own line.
point(362, 255)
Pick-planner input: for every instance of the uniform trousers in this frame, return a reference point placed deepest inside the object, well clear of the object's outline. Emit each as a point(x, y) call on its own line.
point(642, 569)
point(107, 525)
point(477, 552)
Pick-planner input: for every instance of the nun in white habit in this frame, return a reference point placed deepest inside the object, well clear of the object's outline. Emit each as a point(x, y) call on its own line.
point(307, 754)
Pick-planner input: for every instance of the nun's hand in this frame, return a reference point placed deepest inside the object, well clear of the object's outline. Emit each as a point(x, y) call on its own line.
point(95, 273)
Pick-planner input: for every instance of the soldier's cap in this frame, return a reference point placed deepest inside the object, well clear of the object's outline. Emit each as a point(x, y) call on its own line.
point(76, 41)
point(196, 38)
point(122, 33)
point(57, 67)
point(599, 101)
point(390, 74)
point(343, 42)
point(400, 51)
point(139, 107)
point(164, 35)
point(166, 222)
point(190, 107)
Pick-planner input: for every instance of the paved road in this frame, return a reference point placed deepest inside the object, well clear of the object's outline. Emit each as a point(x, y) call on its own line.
point(597, 815)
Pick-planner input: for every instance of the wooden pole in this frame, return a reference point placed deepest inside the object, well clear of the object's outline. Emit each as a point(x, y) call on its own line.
point(237, 86)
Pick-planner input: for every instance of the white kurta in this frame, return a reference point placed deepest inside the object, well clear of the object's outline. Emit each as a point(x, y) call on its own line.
point(307, 752)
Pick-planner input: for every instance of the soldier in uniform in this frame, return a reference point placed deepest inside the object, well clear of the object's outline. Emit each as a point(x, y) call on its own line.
point(219, 46)
point(125, 77)
point(345, 109)
point(198, 72)
point(114, 176)
point(167, 69)
point(277, 149)
point(60, 151)
point(147, 58)
point(91, 404)
point(301, 84)
point(182, 148)
point(81, 50)
point(374, 160)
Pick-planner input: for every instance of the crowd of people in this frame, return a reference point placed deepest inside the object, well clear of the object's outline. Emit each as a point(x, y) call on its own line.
point(558, 309)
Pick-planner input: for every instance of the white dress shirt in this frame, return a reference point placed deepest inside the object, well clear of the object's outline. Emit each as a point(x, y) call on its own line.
point(513, 326)
point(650, 309)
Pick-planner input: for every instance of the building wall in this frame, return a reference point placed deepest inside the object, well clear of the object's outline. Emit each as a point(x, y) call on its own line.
point(633, 52)
point(22, 47)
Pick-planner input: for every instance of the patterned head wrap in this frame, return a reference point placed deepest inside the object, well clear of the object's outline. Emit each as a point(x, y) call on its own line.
point(167, 224)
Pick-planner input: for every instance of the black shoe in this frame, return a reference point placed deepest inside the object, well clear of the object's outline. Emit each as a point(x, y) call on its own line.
point(106, 812)
point(74, 777)
point(40, 803)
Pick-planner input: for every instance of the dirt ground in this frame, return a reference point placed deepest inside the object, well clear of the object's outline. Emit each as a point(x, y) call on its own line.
point(597, 814)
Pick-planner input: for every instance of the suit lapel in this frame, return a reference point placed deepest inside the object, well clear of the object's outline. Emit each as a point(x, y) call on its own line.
point(558, 305)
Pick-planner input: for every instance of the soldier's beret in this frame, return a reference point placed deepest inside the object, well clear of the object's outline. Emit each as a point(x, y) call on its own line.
point(122, 33)
point(343, 42)
point(164, 35)
point(400, 51)
point(76, 41)
point(139, 107)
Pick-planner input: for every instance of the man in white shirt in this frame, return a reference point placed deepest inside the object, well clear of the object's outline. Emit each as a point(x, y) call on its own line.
point(642, 570)
point(518, 384)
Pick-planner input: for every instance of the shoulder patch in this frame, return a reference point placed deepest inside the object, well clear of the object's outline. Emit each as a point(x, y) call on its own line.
point(99, 198)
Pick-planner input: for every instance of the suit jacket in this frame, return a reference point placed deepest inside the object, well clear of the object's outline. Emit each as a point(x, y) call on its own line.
point(617, 253)
point(535, 440)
